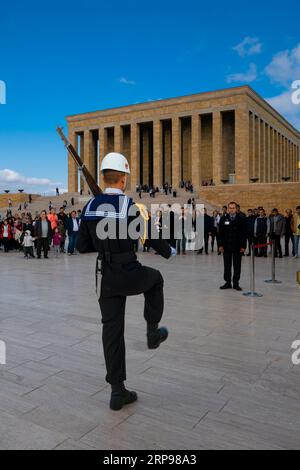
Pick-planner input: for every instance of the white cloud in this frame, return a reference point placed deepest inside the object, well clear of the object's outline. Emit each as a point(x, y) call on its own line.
point(11, 176)
point(248, 47)
point(12, 180)
point(246, 77)
point(285, 66)
point(125, 81)
point(284, 105)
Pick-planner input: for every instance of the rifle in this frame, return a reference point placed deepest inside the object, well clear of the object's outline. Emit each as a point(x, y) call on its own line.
point(90, 181)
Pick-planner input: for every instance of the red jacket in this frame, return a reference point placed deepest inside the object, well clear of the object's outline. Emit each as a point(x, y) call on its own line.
point(9, 232)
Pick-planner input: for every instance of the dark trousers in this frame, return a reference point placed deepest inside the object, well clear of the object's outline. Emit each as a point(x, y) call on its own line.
point(278, 248)
point(72, 242)
point(232, 258)
point(261, 240)
point(28, 251)
point(148, 282)
point(214, 237)
point(206, 240)
point(6, 244)
point(250, 239)
point(42, 244)
point(181, 242)
point(289, 237)
point(62, 245)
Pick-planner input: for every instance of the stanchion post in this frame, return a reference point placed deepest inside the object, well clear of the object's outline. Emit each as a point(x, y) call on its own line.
point(252, 292)
point(273, 280)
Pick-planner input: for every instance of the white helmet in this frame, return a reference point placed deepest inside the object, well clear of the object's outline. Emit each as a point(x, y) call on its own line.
point(115, 161)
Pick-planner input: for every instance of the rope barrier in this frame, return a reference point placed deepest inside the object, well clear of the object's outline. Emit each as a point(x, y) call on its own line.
point(263, 245)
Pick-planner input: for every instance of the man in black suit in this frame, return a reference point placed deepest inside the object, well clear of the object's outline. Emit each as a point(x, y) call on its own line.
point(233, 243)
point(43, 235)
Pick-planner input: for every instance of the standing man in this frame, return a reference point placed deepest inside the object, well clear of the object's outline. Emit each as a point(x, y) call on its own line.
point(250, 222)
point(277, 231)
point(73, 229)
point(122, 274)
point(261, 232)
point(289, 232)
point(43, 234)
point(233, 243)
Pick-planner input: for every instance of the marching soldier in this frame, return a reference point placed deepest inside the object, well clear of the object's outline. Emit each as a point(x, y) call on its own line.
point(122, 274)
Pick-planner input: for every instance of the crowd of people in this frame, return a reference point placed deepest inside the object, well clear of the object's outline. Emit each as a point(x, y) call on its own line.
point(166, 189)
point(39, 233)
point(261, 229)
point(49, 229)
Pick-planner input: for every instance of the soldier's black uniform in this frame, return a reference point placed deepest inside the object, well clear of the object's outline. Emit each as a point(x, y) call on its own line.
point(122, 276)
point(233, 237)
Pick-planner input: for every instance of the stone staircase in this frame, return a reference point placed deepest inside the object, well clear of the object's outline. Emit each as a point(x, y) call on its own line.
point(42, 202)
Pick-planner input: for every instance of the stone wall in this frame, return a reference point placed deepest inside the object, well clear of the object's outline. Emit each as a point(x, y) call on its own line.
point(15, 198)
point(280, 195)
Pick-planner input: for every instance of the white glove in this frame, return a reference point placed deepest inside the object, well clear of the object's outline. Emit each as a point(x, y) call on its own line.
point(173, 251)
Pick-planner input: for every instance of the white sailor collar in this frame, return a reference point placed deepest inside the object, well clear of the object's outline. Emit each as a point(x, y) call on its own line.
point(113, 191)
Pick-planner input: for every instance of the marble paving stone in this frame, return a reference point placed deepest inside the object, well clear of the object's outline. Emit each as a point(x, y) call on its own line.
point(223, 380)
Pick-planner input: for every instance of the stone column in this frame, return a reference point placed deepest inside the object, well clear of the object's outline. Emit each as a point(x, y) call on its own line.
point(118, 144)
point(285, 157)
point(290, 160)
point(176, 152)
point(89, 159)
point(252, 145)
point(102, 150)
point(217, 153)
point(278, 160)
point(145, 154)
point(72, 167)
point(257, 147)
point(167, 137)
point(81, 152)
point(267, 157)
point(242, 166)
point(157, 153)
point(134, 156)
point(262, 153)
point(298, 162)
point(281, 157)
point(272, 154)
point(288, 171)
point(275, 156)
point(295, 163)
point(196, 144)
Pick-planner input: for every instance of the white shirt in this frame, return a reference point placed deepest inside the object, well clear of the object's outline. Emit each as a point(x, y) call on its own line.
point(75, 225)
point(113, 191)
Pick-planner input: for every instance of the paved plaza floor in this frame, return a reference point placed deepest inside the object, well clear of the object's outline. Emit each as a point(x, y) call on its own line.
point(224, 379)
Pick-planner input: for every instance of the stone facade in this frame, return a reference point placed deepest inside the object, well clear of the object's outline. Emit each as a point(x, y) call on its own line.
point(280, 195)
point(226, 136)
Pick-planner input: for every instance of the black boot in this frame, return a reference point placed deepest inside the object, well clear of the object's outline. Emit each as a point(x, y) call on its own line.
point(156, 336)
point(237, 287)
point(120, 397)
point(226, 286)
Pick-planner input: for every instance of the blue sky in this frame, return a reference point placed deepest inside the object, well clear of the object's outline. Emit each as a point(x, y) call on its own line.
point(65, 57)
